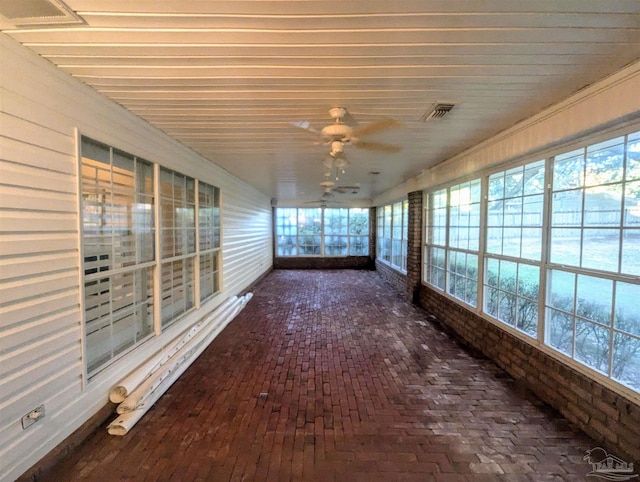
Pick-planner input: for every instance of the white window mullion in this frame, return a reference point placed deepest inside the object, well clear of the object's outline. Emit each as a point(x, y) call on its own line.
point(447, 252)
point(482, 235)
point(196, 261)
point(157, 271)
point(545, 252)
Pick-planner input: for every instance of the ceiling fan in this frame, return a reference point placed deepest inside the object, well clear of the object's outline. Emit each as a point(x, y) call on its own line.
point(340, 133)
point(329, 188)
point(323, 202)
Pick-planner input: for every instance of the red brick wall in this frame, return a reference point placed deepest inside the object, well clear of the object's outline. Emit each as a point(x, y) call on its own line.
point(414, 245)
point(301, 262)
point(609, 418)
point(392, 276)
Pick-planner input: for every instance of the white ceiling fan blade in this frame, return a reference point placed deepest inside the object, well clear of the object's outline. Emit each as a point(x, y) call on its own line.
point(305, 125)
point(377, 146)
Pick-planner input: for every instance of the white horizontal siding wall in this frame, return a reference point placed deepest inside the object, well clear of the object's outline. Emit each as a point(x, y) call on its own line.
point(246, 249)
point(40, 319)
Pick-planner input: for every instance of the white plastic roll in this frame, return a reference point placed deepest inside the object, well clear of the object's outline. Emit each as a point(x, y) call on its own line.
point(123, 423)
point(118, 393)
point(148, 385)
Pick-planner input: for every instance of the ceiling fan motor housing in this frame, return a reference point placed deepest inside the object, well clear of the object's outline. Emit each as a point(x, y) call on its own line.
point(337, 131)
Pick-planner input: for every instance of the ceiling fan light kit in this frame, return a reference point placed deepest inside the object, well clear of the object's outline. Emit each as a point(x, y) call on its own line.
point(339, 134)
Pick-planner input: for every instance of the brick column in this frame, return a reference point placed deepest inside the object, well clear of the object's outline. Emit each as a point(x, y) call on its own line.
point(414, 246)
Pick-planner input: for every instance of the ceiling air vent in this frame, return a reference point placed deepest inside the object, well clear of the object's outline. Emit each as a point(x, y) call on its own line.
point(38, 13)
point(438, 111)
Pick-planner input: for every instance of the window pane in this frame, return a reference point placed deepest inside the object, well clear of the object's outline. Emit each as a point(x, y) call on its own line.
point(568, 170)
point(286, 231)
point(335, 246)
point(633, 157)
point(492, 276)
point(511, 241)
point(631, 236)
point(532, 208)
point(515, 216)
point(435, 267)
point(208, 275)
point(560, 331)
point(626, 360)
point(562, 290)
point(359, 221)
point(336, 221)
point(507, 305)
point(121, 210)
point(491, 301)
point(463, 276)
point(496, 186)
point(511, 291)
point(385, 249)
point(592, 345)
point(436, 218)
point(143, 213)
point(358, 232)
point(534, 178)
point(527, 319)
point(495, 213)
point(396, 231)
point(473, 231)
point(600, 248)
point(604, 162)
point(567, 208)
point(177, 214)
point(531, 243)
point(594, 299)
point(632, 204)
point(309, 230)
point(513, 185)
point(565, 246)
point(396, 252)
point(627, 312)
point(464, 214)
point(208, 216)
point(529, 279)
point(602, 206)
point(359, 246)
point(177, 279)
point(508, 275)
point(439, 233)
point(287, 246)
point(119, 314)
point(494, 240)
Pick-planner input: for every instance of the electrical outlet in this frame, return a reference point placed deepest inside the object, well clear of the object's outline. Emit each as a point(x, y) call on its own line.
point(32, 417)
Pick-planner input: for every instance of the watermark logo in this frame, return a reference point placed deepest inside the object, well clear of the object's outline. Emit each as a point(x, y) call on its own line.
point(607, 466)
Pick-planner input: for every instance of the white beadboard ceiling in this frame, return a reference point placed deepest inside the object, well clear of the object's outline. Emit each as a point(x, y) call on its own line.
point(227, 78)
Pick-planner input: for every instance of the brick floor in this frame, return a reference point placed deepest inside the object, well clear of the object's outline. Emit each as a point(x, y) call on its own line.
point(331, 375)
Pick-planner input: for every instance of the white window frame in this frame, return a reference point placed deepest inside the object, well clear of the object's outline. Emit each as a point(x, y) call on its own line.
point(392, 234)
point(296, 247)
point(96, 278)
point(540, 337)
point(507, 295)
